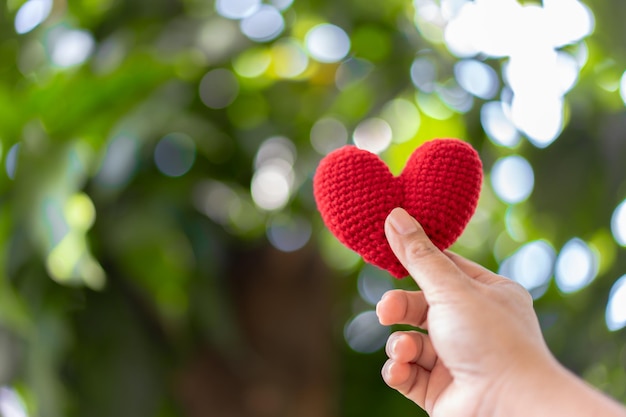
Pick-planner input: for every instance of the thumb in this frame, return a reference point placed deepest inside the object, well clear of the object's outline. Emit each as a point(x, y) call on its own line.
point(433, 271)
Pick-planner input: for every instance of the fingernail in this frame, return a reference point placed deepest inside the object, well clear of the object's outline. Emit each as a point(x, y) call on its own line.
point(393, 346)
point(386, 371)
point(402, 222)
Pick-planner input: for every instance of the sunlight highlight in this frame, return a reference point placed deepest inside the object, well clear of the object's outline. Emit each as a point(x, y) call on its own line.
point(328, 134)
point(615, 315)
point(252, 63)
point(535, 67)
point(237, 9)
point(404, 119)
point(327, 43)
point(265, 24)
point(497, 124)
point(175, 154)
point(531, 266)
point(274, 178)
point(512, 179)
point(10, 162)
point(70, 47)
point(218, 88)
point(289, 59)
point(424, 74)
point(576, 266)
point(288, 233)
point(477, 78)
point(32, 14)
point(618, 223)
point(365, 334)
point(373, 135)
point(11, 404)
point(373, 283)
point(69, 259)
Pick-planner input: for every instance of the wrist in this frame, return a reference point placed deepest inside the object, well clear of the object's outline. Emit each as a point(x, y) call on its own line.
point(532, 384)
point(545, 388)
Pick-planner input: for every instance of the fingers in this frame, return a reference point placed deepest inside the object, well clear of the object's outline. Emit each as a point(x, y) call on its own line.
point(411, 347)
point(409, 368)
point(433, 271)
point(413, 368)
point(402, 307)
point(409, 379)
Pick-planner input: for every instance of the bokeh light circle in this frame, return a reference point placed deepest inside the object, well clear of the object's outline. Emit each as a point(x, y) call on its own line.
point(622, 87)
point(576, 21)
point(512, 179)
point(289, 234)
point(327, 43)
point(497, 124)
point(32, 14)
point(328, 134)
point(576, 266)
point(424, 74)
point(70, 47)
point(289, 59)
point(252, 63)
point(618, 223)
point(237, 9)
point(458, 34)
point(275, 148)
point(271, 185)
point(403, 118)
point(175, 154)
point(477, 78)
point(80, 212)
point(432, 105)
point(539, 116)
point(616, 308)
point(218, 88)
point(455, 97)
point(531, 266)
point(365, 334)
point(264, 25)
point(10, 162)
point(373, 135)
point(11, 404)
point(373, 283)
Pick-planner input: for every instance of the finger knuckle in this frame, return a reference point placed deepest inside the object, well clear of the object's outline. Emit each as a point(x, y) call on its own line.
point(521, 292)
point(420, 248)
point(526, 296)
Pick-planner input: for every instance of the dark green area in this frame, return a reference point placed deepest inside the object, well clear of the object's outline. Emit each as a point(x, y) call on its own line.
point(133, 293)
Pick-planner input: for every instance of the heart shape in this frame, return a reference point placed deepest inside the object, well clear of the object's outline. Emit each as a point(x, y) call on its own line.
point(439, 186)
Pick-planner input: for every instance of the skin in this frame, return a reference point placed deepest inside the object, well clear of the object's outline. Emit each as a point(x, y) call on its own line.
point(484, 354)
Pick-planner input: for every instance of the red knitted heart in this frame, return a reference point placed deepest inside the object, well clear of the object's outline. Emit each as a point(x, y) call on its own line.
point(355, 191)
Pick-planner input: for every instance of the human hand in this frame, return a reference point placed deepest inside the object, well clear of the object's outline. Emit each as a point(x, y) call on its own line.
point(484, 346)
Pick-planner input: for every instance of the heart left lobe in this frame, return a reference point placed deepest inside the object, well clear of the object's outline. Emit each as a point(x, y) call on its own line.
point(355, 191)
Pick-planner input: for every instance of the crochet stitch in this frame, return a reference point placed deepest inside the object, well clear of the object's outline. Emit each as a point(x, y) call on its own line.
point(439, 186)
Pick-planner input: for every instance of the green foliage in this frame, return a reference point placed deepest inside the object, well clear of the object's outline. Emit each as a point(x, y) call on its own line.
point(125, 286)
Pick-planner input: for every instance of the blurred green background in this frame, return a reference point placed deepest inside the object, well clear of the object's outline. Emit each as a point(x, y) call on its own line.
point(161, 250)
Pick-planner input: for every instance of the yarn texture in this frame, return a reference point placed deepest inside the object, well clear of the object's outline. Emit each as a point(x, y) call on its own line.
point(439, 186)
